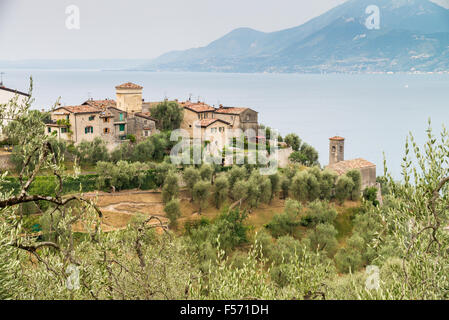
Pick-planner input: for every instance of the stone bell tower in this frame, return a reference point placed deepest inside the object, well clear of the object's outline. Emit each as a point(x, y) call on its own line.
point(336, 149)
point(129, 97)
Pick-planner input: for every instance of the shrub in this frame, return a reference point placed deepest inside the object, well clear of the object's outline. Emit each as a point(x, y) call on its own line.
point(221, 190)
point(344, 188)
point(323, 237)
point(305, 186)
point(240, 190)
point(357, 179)
point(173, 211)
point(206, 172)
point(201, 192)
point(191, 177)
point(286, 222)
point(370, 195)
point(170, 189)
point(320, 212)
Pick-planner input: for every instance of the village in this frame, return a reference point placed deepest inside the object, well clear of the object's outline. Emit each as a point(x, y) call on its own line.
point(115, 121)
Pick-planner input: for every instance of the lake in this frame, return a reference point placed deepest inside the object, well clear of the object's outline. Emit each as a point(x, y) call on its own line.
point(373, 112)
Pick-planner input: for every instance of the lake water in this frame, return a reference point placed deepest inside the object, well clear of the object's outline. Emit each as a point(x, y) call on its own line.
point(373, 112)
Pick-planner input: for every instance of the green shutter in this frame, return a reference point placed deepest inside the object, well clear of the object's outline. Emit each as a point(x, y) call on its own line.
point(122, 127)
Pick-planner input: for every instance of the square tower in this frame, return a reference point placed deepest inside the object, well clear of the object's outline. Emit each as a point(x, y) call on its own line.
point(129, 97)
point(336, 149)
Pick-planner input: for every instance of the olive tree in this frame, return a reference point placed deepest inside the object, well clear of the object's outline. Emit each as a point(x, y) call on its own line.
point(201, 193)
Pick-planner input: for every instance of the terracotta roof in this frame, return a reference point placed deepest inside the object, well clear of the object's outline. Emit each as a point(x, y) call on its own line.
point(207, 122)
point(230, 110)
point(197, 107)
point(81, 109)
point(337, 138)
point(129, 85)
point(101, 103)
point(146, 115)
point(344, 166)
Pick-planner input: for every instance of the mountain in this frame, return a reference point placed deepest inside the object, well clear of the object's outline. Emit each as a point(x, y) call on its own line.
point(413, 35)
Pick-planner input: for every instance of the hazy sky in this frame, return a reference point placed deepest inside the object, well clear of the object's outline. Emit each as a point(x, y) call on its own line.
point(138, 28)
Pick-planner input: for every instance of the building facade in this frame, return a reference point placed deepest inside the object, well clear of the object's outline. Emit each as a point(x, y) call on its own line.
point(107, 119)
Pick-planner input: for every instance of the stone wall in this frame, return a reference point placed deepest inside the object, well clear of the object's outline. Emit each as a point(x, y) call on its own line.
point(5, 161)
point(284, 154)
point(368, 177)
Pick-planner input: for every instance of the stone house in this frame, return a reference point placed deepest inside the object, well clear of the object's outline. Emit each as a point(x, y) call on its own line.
point(338, 164)
point(239, 118)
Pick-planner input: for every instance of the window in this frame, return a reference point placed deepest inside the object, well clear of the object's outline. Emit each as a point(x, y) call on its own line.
point(106, 130)
point(91, 118)
point(67, 117)
point(49, 129)
point(146, 133)
point(213, 130)
point(88, 130)
point(122, 127)
point(341, 148)
point(121, 116)
point(334, 149)
point(145, 121)
point(63, 130)
point(247, 118)
point(106, 120)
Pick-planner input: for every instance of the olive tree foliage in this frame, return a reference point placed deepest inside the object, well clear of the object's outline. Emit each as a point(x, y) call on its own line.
point(122, 175)
point(236, 173)
point(292, 140)
point(191, 176)
point(221, 190)
point(305, 186)
point(173, 211)
point(168, 114)
point(357, 180)
point(285, 223)
point(206, 172)
point(254, 280)
point(201, 193)
point(92, 151)
point(170, 190)
point(344, 188)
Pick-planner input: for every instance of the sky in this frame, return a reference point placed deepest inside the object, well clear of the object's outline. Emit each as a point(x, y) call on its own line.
point(32, 29)
point(130, 29)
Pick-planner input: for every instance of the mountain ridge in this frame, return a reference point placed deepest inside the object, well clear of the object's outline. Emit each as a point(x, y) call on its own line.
point(413, 35)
